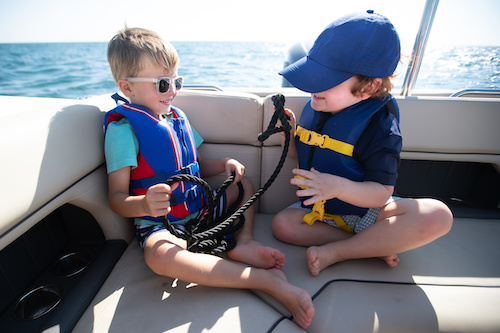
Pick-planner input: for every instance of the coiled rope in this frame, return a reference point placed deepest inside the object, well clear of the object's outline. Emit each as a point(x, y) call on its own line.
point(204, 235)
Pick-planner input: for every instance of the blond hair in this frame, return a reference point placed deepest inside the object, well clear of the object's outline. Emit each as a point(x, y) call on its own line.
point(129, 49)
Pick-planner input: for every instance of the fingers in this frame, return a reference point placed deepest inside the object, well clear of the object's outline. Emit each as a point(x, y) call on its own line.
point(290, 114)
point(310, 185)
point(291, 120)
point(236, 167)
point(157, 199)
point(303, 178)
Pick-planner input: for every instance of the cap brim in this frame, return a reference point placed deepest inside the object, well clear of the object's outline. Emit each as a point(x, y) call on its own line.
point(312, 77)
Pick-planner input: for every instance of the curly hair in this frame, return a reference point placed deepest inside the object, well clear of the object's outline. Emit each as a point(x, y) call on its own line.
point(365, 81)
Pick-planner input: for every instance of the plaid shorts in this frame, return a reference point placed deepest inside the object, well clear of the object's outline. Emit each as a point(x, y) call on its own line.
point(143, 232)
point(355, 222)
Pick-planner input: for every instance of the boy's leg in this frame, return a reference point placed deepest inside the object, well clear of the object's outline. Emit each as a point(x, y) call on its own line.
point(401, 226)
point(247, 249)
point(289, 227)
point(168, 259)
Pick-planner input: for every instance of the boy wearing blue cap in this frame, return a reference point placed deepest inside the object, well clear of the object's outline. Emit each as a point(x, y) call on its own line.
point(348, 148)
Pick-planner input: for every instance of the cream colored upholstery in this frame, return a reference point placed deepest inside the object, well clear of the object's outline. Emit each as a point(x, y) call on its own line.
point(55, 157)
point(227, 123)
point(47, 146)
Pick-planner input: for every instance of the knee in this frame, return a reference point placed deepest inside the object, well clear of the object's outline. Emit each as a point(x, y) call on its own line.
point(247, 185)
point(153, 259)
point(281, 228)
point(437, 218)
point(444, 215)
point(159, 257)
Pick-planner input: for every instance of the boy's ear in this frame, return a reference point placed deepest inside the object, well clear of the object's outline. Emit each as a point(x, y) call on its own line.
point(371, 88)
point(125, 87)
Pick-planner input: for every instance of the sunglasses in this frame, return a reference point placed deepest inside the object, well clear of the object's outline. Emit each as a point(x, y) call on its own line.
point(162, 83)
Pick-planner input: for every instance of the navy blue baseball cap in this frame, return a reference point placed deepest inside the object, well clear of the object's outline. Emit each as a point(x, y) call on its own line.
point(361, 43)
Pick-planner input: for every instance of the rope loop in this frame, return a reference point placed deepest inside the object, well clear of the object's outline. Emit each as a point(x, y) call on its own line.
point(204, 235)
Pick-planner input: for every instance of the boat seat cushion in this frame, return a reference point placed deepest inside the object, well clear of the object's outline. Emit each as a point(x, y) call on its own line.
point(134, 298)
point(234, 118)
point(430, 290)
point(43, 162)
point(425, 295)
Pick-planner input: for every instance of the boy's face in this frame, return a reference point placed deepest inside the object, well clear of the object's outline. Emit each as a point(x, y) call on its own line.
point(337, 98)
point(145, 94)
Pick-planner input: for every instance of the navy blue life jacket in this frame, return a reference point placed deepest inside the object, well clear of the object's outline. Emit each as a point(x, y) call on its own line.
point(326, 142)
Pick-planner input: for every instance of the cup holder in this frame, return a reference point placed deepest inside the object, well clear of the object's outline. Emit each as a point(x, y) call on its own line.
point(71, 264)
point(38, 302)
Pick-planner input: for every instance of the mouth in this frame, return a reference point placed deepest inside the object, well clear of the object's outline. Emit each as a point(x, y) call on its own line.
point(315, 96)
point(166, 102)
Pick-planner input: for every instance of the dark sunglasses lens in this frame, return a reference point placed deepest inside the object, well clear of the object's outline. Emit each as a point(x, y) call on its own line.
point(163, 85)
point(178, 83)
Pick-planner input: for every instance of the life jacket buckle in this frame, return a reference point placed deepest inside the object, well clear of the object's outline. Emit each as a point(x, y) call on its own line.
point(317, 214)
point(315, 139)
point(192, 192)
point(191, 169)
point(312, 138)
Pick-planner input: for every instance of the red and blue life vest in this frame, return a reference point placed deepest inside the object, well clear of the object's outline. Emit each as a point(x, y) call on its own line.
point(326, 142)
point(166, 148)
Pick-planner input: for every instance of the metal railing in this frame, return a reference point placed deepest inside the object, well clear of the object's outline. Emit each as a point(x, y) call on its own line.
point(419, 47)
point(493, 93)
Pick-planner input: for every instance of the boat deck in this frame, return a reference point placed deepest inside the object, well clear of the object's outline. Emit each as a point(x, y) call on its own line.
point(57, 204)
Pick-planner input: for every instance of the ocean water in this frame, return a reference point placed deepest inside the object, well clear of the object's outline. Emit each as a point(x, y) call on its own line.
point(79, 70)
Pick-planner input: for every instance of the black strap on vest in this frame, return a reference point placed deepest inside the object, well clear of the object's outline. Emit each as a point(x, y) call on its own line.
point(207, 236)
point(119, 99)
point(392, 109)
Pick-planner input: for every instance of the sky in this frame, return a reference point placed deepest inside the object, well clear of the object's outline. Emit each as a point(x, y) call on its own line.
point(457, 22)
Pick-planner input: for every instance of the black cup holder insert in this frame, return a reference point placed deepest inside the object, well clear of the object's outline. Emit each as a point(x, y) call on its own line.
point(71, 264)
point(38, 302)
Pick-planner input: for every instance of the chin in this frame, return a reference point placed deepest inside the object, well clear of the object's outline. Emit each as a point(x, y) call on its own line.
point(316, 107)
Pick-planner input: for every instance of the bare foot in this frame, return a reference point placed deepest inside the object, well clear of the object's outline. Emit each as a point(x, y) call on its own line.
point(317, 260)
point(391, 260)
point(294, 299)
point(257, 255)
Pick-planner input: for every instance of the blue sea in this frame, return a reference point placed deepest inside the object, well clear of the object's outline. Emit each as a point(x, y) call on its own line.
point(80, 70)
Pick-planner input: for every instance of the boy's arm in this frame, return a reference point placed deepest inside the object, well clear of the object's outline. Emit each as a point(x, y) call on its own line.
point(213, 167)
point(155, 203)
point(324, 186)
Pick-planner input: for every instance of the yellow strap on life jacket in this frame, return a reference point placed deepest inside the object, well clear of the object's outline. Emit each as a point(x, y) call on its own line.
point(318, 214)
point(324, 141)
point(339, 221)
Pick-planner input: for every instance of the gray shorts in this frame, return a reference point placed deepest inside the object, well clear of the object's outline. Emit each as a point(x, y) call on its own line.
point(355, 222)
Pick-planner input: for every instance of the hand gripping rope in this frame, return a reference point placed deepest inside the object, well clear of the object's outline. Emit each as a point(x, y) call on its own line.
point(204, 235)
